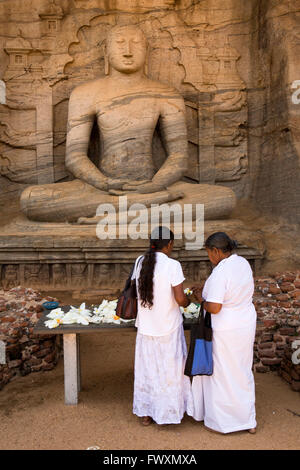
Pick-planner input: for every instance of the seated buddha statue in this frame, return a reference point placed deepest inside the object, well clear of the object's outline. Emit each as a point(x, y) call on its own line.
point(127, 106)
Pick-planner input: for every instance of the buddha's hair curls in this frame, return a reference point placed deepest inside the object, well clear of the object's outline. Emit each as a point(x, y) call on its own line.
point(160, 237)
point(221, 241)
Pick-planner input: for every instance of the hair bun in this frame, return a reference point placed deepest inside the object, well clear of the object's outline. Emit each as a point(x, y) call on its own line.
point(233, 244)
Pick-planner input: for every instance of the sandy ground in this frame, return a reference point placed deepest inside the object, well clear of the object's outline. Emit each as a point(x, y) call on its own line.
point(33, 414)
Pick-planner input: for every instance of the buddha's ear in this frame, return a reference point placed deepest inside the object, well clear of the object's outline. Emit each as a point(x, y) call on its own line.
point(106, 62)
point(146, 65)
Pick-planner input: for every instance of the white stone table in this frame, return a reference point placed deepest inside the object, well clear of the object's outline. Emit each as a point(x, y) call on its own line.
point(71, 347)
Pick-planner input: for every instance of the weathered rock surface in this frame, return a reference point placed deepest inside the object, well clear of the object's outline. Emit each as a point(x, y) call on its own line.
point(234, 62)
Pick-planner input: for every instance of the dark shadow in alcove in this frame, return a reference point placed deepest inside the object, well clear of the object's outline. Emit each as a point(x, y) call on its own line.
point(94, 149)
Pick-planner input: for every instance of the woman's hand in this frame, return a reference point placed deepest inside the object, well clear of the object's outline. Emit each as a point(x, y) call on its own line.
point(197, 293)
point(181, 298)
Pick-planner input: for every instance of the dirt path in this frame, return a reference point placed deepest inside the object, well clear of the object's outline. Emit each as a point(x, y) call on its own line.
point(33, 414)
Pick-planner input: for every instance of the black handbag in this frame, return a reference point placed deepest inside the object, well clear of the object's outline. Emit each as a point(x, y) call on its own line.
point(127, 302)
point(200, 360)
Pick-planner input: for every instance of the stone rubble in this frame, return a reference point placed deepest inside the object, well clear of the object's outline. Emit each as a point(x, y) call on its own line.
point(20, 310)
point(277, 302)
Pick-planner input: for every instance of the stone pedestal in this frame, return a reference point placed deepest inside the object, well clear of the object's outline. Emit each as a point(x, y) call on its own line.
point(71, 257)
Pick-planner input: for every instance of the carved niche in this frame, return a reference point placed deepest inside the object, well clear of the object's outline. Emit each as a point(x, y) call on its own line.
point(67, 50)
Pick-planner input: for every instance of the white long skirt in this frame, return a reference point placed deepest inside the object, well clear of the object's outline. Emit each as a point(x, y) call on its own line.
point(161, 390)
point(226, 399)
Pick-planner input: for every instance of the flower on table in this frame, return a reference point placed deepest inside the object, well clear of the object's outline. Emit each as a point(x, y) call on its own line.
point(82, 310)
point(54, 323)
point(74, 317)
point(56, 313)
point(104, 313)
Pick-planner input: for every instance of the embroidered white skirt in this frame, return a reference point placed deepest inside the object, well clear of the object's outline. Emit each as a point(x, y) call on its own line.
point(226, 400)
point(160, 388)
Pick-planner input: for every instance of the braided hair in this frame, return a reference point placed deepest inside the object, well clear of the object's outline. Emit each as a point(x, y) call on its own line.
point(160, 237)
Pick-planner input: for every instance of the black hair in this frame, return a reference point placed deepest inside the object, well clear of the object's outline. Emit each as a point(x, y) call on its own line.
point(160, 237)
point(221, 241)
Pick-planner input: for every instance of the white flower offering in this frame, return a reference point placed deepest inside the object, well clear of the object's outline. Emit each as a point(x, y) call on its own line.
point(191, 311)
point(104, 313)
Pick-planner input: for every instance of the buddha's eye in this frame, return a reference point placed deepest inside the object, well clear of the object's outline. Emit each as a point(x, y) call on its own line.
point(120, 41)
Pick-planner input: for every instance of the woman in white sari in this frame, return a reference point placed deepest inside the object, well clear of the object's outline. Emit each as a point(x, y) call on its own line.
point(226, 400)
point(161, 391)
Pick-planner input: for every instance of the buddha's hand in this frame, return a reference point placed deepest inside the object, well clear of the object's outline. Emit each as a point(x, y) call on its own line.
point(122, 187)
point(115, 183)
point(143, 187)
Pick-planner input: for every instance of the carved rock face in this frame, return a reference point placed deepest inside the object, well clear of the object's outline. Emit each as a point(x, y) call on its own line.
point(126, 49)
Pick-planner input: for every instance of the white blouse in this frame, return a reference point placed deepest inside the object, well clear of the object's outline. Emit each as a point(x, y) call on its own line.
point(165, 315)
point(231, 284)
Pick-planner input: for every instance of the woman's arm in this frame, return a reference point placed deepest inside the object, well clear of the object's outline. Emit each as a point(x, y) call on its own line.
point(210, 307)
point(180, 297)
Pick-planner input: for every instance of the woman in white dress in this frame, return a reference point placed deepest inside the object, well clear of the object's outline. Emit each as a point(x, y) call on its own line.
point(226, 400)
point(161, 391)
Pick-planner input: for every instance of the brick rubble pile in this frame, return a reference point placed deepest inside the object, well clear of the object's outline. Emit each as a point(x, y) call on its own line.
point(20, 309)
point(277, 302)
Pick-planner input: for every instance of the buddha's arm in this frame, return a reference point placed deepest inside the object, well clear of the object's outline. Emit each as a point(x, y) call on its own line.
point(80, 121)
point(174, 133)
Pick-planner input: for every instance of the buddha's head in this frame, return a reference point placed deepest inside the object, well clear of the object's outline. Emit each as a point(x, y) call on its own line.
point(126, 49)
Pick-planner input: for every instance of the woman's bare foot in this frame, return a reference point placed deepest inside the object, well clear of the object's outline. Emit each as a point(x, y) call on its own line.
point(146, 420)
point(252, 430)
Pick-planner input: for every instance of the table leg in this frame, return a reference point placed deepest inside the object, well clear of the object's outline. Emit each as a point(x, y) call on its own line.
point(78, 362)
point(71, 368)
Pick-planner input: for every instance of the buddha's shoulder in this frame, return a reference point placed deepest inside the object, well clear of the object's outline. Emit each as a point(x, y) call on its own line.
point(90, 87)
point(105, 86)
point(163, 88)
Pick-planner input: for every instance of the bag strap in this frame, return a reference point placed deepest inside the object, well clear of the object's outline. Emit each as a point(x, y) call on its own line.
point(201, 312)
point(207, 318)
point(137, 263)
point(128, 282)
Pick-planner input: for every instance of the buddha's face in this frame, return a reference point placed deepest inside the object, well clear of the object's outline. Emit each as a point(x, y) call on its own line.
point(126, 49)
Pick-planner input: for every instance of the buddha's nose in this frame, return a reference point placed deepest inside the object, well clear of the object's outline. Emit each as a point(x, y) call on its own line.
point(127, 51)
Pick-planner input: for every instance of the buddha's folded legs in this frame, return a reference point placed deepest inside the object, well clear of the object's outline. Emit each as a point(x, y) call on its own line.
point(218, 201)
point(59, 202)
point(66, 202)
